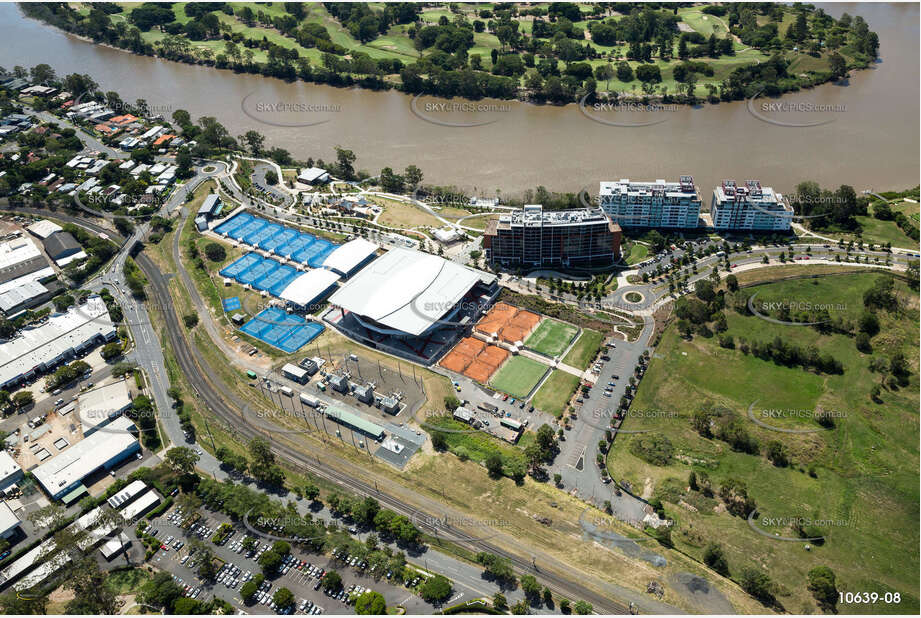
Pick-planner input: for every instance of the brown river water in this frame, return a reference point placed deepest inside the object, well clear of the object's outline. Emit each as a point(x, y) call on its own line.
point(864, 133)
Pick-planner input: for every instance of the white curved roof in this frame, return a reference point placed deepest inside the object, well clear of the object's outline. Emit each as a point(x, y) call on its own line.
point(308, 286)
point(406, 290)
point(349, 255)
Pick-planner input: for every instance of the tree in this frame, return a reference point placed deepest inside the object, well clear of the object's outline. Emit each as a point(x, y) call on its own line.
point(248, 590)
point(255, 141)
point(370, 603)
point(269, 561)
point(412, 175)
point(530, 587)
point(564, 606)
point(436, 589)
point(311, 491)
point(283, 597)
point(190, 320)
point(215, 252)
point(182, 459)
point(822, 586)
point(499, 602)
point(494, 464)
point(838, 66)
point(346, 160)
point(583, 608)
point(23, 399)
point(757, 584)
point(732, 283)
point(624, 71)
point(91, 595)
point(332, 581)
point(271, 177)
point(111, 350)
point(714, 558)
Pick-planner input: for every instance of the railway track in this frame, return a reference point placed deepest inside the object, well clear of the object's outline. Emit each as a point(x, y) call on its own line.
point(196, 370)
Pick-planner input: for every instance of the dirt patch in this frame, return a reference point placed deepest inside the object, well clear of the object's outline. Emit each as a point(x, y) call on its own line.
point(700, 593)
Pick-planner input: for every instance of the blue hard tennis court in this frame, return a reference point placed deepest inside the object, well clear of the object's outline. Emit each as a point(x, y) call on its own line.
point(282, 330)
point(232, 303)
point(276, 238)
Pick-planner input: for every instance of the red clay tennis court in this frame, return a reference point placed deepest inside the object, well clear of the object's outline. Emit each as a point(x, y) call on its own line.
point(512, 334)
point(475, 359)
point(525, 320)
point(468, 346)
point(497, 317)
point(455, 361)
point(493, 355)
point(479, 371)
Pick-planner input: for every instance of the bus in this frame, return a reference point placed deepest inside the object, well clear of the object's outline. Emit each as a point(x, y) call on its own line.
point(251, 374)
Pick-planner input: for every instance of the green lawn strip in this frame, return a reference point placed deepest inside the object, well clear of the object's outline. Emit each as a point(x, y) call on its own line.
point(554, 394)
point(551, 337)
point(866, 473)
point(518, 376)
point(584, 349)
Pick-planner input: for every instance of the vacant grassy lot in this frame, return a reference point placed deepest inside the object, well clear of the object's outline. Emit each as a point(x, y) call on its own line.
point(551, 337)
point(403, 215)
point(584, 349)
point(518, 376)
point(553, 395)
point(861, 476)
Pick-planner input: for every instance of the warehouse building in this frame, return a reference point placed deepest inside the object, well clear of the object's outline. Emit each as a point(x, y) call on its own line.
point(8, 521)
point(35, 350)
point(99, 406)
point(44, 228)
point(61, 245)
point(531, 237)
point(20, 257)
point(10, 471)
point(28, 294)
point(63, 475)
point(657, 204)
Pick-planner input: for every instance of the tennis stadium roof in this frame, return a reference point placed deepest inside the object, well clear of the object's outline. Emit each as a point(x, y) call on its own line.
point(350, 255)
point(406, 290)
point(307, 287)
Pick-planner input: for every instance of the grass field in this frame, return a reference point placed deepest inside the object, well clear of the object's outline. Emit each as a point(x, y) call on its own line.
point(551, 337)
point(861, 476)
point(403, 215)
point(554, 394)
point(637, 253)
point(518, 376)
point(584, 349)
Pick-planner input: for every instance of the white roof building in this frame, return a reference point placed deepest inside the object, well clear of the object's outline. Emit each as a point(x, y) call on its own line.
point(101, 449)
point(8, 520)
point(101, 404)
point(310, 286)
point(114, 545)
point(312, 175)
point(63, 334)
point(10, 472)
point(18, 251)
point(125, 495)
point(350, 256)
point(140, 506)
point(44, 228)
point(20, 296)
point(405, 291)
